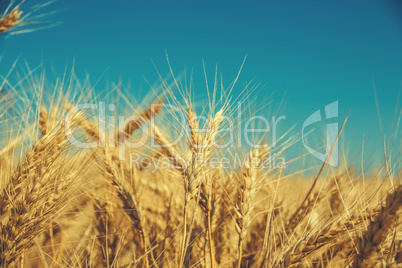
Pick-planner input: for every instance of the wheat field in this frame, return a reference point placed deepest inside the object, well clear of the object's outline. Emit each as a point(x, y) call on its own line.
point(65, 204)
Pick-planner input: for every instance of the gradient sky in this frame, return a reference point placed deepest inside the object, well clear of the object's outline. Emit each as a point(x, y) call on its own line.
point(315, 51)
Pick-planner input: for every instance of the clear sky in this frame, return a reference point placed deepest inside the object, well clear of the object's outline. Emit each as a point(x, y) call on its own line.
point(315, 51)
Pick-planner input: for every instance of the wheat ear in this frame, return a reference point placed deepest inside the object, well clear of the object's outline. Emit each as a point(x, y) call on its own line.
point(10, 20)
point(378, 229)
point(130, 205)
point(43, 121)
point(34, 194)
point(139, 120)
point(108, 242)
point(248, 189)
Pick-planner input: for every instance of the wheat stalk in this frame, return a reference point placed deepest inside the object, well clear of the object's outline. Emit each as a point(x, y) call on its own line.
point(197, 177)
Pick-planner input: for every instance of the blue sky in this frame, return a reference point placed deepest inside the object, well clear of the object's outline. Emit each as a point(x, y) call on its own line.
point(315, 51)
